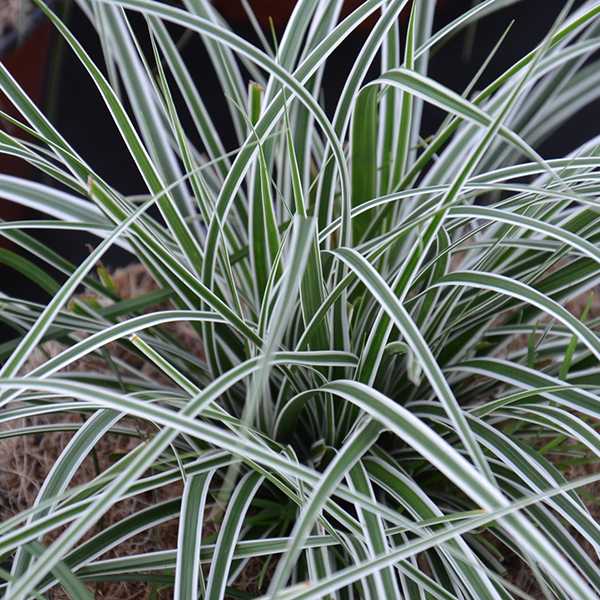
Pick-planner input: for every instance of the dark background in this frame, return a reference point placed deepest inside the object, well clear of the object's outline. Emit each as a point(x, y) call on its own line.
point(76, 108)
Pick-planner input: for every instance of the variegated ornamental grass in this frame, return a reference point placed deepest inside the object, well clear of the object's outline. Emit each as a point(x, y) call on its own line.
point(383, 389)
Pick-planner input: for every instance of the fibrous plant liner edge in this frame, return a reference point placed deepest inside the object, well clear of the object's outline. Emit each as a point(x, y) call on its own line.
point(26, 460)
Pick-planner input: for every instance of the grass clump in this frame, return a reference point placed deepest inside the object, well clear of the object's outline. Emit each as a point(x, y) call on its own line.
point(343, 373)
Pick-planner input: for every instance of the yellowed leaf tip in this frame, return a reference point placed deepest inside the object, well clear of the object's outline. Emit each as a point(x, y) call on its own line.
point(90, 184)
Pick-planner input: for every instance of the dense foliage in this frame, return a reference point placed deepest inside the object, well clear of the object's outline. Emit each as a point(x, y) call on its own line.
point(381, 387)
